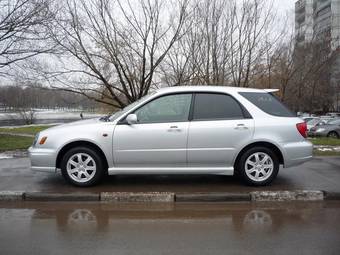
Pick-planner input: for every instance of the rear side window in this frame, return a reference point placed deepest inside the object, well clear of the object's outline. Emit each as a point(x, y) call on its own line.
point(216, 107)
point(268, 103)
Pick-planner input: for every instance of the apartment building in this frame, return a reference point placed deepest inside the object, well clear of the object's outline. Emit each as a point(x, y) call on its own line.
point(320, 20)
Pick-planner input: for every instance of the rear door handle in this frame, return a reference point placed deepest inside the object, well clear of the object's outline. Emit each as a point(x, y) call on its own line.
point(174, 129)
point(241, 127)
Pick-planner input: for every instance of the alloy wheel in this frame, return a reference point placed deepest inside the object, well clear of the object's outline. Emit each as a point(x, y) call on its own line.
point(81, 167)
point(259, 166)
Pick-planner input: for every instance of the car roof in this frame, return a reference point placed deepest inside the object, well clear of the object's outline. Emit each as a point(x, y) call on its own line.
point(209, 89)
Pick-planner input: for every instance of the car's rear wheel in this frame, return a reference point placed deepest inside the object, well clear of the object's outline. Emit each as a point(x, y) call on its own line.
point(333, 134)
point(258, 166)
point(82, 166)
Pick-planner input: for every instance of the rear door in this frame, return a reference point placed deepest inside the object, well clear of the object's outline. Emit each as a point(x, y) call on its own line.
point(219, 126)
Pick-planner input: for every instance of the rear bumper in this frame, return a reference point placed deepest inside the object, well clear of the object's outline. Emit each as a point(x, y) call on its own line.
point(42, 160)
point(297, 153)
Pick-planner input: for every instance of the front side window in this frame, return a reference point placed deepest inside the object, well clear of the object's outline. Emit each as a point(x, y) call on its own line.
point(171, 108)
point(209, 106)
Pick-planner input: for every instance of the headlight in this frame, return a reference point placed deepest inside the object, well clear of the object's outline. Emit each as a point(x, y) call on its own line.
point(320, 129)
point(36, 139)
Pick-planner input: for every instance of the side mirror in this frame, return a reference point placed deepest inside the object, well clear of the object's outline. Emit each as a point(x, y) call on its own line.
point(131, 119)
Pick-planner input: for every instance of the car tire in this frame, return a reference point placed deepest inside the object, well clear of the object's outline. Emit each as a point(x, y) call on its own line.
point(333, 134)
point(258, 166)
point(82, 167)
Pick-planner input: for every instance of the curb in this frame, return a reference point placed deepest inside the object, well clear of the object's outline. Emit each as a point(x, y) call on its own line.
point(297, 195)
point(168, 197)
point(213, 197)
point(39, 196)
point(165, 197)
point(331, 195)
point(11, 195)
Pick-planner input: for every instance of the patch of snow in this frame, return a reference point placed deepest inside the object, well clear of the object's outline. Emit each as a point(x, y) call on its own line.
point(5, 156)
point(52, 114)
point(324, 149)
point(13, 154)
point(327, 148)
point(32, 125)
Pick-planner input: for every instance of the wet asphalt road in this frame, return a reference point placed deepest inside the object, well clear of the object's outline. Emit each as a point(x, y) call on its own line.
point(318, 174)
point(240, 228)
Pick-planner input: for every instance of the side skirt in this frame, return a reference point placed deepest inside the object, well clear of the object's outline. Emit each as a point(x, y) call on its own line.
point(169, 170)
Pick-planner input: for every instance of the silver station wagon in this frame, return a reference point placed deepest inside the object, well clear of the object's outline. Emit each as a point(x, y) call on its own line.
point(179, 130)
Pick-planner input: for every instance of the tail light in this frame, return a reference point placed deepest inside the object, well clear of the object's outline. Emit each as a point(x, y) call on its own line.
point(302, 128)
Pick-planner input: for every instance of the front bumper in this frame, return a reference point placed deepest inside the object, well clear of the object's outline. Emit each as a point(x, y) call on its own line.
point(42, 159)
point(297, 153)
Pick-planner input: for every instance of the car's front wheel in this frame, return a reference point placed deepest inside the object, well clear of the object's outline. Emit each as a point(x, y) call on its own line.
point(258, 166)
point(82, 166)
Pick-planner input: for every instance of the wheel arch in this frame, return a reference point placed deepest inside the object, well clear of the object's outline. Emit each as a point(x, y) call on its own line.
point(81, 143)
point(334, 131)
point(268, 145)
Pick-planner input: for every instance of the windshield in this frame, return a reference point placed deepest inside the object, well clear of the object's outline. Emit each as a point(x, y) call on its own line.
point(128, 107)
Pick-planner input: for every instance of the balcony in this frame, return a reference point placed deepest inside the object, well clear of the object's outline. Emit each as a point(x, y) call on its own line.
point(322, 4)
point(300, 5)
point(300, 18)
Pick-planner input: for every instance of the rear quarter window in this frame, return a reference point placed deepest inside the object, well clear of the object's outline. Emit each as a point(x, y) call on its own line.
point(268, 103)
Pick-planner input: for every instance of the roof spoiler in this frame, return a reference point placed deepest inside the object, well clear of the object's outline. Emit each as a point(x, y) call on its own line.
point(271, 90)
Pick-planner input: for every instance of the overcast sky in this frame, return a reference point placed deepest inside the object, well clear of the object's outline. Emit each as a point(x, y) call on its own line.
point(285, 5)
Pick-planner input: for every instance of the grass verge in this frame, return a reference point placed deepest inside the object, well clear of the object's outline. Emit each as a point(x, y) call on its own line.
point(325, 141)
point(10, 142)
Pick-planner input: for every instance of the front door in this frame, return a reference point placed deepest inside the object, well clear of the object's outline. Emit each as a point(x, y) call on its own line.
point(159, 138)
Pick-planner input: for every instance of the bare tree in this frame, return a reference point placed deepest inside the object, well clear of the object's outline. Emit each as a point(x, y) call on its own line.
point(113, 48)
point(312, 90)
point(22, 33)
point(225, 43)
point(28, 115)
point(301, 72)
